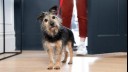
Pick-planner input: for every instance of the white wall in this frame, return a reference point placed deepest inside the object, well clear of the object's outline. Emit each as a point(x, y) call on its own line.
point(1, 24)
point(9, 24)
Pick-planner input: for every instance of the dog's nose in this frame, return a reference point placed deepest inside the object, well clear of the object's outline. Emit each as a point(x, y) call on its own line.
point(52, 23)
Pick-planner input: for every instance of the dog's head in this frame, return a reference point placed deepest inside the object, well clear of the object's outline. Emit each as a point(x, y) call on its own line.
point(50, 22)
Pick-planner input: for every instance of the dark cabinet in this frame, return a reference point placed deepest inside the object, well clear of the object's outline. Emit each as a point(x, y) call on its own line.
point(107, 26)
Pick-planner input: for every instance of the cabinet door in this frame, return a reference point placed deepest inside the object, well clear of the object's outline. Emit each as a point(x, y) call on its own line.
point(107, 26)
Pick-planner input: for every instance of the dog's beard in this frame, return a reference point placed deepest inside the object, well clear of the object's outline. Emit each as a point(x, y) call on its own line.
point(52, 31)
point(53, 28)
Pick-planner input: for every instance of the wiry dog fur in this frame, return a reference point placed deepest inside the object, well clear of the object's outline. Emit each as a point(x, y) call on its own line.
point(56, 37)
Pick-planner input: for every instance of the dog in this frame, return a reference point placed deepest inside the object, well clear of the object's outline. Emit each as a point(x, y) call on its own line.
point(57, 38)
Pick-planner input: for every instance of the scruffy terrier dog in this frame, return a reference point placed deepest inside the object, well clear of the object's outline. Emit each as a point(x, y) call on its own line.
point(57, 38)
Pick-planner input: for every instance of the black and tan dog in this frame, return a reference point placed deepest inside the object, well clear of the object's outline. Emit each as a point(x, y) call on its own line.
point(56, 38)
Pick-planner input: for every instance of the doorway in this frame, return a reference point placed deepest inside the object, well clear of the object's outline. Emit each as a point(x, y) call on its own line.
point(107, 25)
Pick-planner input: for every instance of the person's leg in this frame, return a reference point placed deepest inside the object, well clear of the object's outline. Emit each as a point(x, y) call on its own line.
point(82, 20)
point(67, 8)
point(82, 17)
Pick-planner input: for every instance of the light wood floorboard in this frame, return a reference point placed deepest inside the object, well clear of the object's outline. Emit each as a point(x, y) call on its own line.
point(37, 61)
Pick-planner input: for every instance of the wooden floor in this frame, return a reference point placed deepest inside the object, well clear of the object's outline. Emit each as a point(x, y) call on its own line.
point(37, 61)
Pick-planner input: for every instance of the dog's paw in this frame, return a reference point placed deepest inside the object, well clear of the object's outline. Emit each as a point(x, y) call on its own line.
point(64, 61)
point(57, 67)
point(70, 62)
point(50, 67)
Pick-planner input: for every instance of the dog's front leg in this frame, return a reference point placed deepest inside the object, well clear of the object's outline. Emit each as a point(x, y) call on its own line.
point(58, 54)
point(58, 58)
point(50, 53)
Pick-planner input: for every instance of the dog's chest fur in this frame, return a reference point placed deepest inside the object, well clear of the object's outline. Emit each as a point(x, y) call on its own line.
point(54, 38)
point(64, 34)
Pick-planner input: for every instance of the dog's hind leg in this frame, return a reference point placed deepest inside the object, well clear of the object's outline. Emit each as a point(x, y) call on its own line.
point(70, 52)
point(66, 55)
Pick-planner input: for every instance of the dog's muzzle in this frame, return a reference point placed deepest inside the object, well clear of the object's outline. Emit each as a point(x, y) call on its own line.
point(52, 24)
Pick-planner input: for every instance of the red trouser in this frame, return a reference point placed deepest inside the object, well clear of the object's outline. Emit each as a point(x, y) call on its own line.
point(67, 9)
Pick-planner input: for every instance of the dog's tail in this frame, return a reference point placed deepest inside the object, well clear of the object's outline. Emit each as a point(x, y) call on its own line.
point(72, 37)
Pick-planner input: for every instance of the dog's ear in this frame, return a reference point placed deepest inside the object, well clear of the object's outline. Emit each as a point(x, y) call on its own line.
point(41, 16)
point(53, 10)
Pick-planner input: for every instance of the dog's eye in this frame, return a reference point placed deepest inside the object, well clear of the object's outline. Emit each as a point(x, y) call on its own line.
point(53, 17)
point(46, 20)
